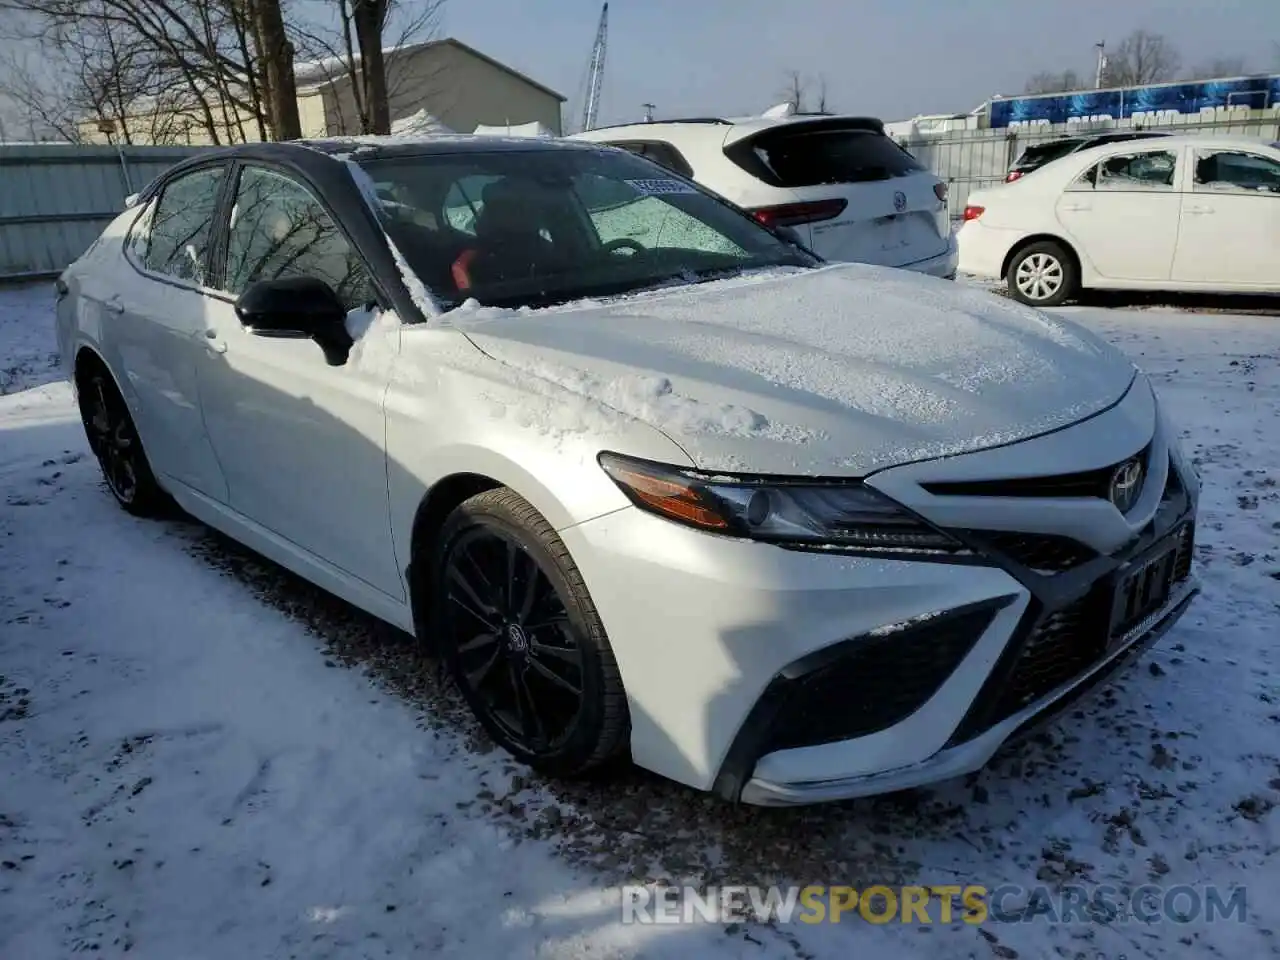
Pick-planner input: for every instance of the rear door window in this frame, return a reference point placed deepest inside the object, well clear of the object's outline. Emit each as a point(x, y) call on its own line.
point(1151, 170)
point(174, 239)
point(1042, 153)
point(810, 158)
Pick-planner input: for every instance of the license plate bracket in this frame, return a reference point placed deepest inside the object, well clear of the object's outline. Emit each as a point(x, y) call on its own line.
point(1143, 588)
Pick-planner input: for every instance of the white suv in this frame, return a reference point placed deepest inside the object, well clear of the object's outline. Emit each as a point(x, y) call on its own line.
point(845, 188)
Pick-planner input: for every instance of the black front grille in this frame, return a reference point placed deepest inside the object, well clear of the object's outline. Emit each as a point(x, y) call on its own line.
point(1058, 646)
point(1063, 644)
point(1042, 552)
point(870, 683)
point(1086, 483)
point(1186, 550)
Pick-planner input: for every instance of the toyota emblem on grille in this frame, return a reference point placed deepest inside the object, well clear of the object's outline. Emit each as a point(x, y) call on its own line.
point(899, 201)
point(1126, 484)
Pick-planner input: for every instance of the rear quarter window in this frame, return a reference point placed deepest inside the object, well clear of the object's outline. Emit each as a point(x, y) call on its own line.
point(1043, 153)
point(811, 158)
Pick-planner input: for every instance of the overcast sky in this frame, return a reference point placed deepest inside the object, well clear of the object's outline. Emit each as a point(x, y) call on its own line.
point(894, 58)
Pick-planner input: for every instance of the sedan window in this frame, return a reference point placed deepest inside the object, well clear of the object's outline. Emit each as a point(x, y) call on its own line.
point(278, 229)
point(1231, 171)
point(1152, 170)
point(172, 237)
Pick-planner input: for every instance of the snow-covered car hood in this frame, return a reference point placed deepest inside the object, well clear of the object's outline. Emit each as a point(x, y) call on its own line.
point(838, 371)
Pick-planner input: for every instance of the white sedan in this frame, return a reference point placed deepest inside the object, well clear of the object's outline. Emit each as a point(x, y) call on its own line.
point(784, 530)
point(1175, 213)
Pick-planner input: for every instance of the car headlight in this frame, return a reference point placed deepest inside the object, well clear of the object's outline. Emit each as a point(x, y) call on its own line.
point(834, 515)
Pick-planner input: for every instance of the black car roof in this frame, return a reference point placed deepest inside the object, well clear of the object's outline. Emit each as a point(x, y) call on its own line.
point(315, 158)
point(381, 147)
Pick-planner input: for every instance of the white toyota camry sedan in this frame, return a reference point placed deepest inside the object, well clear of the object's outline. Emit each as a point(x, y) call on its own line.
point(1181, 213)
point(779, 529)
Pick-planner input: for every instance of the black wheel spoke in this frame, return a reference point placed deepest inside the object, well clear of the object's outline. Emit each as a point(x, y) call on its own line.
point(487, 613)
point(526, 710)
point(569, 655)
point(478, 642)
point(554, 678)
point(468, 604)
point(559, 621)
point(509, 596)
point(530, 593)
point(478, 676)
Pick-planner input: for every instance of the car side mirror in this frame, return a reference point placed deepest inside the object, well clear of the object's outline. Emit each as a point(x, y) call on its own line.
point(300, 307)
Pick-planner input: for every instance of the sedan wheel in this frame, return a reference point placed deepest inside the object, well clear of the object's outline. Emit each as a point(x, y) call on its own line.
point(1042, 275)
point(522, 640)
point(114, 441)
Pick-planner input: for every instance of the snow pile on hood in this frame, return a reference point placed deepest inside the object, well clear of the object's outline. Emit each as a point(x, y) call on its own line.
point(653, 399)
point(880, 366)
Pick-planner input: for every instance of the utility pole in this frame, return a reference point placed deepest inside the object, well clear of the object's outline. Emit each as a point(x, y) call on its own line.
point(648, 111)
point(1102, 64)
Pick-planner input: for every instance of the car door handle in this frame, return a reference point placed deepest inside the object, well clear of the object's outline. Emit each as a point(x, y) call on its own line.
point(214, 343)
point(1076, 207)
point(1197, 211)
point(114, 305)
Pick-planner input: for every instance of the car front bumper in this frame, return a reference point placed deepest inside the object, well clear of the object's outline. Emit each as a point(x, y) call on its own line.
point(974, 754)
point(779, 676)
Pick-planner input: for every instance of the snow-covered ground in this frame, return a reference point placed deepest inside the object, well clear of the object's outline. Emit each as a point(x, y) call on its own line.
point(202, 757)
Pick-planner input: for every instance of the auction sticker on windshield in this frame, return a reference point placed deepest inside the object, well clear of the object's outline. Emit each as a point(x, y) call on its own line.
point(660, 187)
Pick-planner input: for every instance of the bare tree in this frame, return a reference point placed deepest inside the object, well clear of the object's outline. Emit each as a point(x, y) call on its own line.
point(822, 93)
point(795, 90)
point(349, 51)
point(1219, 67)
point(275, 67)
point(1049, 82)
point(85, 74)
point(225, 66)
point(1141, 57)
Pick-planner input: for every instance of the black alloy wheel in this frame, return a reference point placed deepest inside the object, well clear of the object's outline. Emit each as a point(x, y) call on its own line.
point(521, 639)
point(114, 441)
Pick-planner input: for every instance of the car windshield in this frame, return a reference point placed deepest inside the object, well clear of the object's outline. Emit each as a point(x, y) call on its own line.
point(537, 227)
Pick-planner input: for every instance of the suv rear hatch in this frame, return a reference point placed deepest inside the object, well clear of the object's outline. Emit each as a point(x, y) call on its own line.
point(858, 195)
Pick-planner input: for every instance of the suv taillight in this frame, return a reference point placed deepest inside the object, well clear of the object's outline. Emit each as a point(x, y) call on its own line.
point(1013, 175)
point(973, 213)
point(794, 214)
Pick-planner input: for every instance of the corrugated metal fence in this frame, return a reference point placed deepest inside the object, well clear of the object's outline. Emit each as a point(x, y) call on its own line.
point(56, 198)
point(973, 159)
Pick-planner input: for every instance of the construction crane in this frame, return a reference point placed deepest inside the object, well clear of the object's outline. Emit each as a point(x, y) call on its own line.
point(595, 72)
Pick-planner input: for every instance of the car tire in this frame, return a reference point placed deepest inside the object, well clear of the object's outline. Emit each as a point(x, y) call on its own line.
point(113, 439)
point(517, 633)
point(1043, 274)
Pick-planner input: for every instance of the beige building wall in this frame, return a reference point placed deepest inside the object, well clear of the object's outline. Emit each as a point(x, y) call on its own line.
point(454, 84)
point(457, 87)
